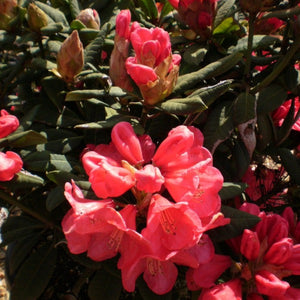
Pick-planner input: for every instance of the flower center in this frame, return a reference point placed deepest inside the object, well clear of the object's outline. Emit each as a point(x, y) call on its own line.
point(167, 222)
point(115, 239)
point(154, 266)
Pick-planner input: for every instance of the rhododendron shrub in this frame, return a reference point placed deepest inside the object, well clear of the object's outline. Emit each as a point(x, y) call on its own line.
point(154, 154)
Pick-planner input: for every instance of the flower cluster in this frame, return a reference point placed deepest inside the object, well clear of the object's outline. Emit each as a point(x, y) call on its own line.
point(171, 230)
point(10, 162)
point(154, 68)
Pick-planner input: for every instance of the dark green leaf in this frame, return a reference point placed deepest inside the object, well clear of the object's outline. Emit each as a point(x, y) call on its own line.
point(6, 39)
point(104, 286)
point(149, 7)
point(244, 108)
point(166, 9)
point(223, 11)
point(219, 125)
point(74, 8)
point(183, 106)
point(265, 134)
point(291, 164)
point(53, 13)
point(55, 198)
point(231, 190)
point(42, 64)
point(52, 28)
point(194, 54)
point(241, 158)
point(270, 98)
point(23, 139)
point(227, 26)
point(17, 227)
point(213, 69)
point(34, 274)
point(239, 220)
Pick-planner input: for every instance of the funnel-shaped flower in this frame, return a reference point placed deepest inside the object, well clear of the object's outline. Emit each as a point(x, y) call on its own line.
point(90, 18)
point(10, 164)
point(8, 123)
point(153, 68)
point(70, 58)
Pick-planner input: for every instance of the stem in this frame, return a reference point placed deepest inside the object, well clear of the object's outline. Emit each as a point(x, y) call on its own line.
point(9, 199)
point(41, 47)
point(250, 45)
point(279, 66)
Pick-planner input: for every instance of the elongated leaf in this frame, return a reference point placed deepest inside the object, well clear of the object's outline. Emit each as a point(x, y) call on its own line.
point(223, 11)
point(244, 108)
point(219, 125)
point(74, 8)
point(104, 286)
point(52, 28)
point(231, 190)
point(53, 87)
point(23, 139)
point(210, 93)
point(259, 42)
point(265, 129)
point(227, 27)
point(18, 227)
point(195, 54)
point(290, 163)
point(241, 158)
point(213, 69)
point(149, 7)
point(53, 13)
point(183, 106)
point(109, 123)
point(42, 64)
point(270, 98)
point(55, 198)
point(239, 220)
point(34, 274)
point(6, 38)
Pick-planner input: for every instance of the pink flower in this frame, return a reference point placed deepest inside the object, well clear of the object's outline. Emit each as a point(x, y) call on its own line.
point(153, 68)
point(281, 112)
point(198, 14)
point(8, 123)
point(10, 164)
point(117, 70)
point(291, 294)
point(267, 26)
point(231, 290)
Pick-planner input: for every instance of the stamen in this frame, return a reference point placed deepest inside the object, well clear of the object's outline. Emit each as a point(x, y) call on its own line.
point(167, 222)
point(115, 239)
point(154, 266)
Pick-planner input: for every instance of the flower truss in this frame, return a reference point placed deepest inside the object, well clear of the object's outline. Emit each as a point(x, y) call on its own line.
point(175, 191)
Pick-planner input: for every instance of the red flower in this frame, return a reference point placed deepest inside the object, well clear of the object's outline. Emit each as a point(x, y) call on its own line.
point(8, 123)
point(10, 164)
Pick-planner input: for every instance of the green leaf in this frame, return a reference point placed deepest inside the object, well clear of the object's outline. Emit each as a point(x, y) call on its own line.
point(227, 26)
point(77, 25)
point(18, 227)
point(52, 29)
point(259, 42)
point(209, 94)
point(244, 108)
point(53, 13)
point(212, 70)
point(104, 286)
point(219, 125)
point(88, 34)
point(183, 106)
point(74, 8)
point(265, 134)
point(194, 54)
point(291, 163)
point(223, 11)
point(231, 190)
point(241, 158)
point(270, 98)
point(34, 274)
point(149, 8)
point(42, 64)
point(23, 139)
point(6, 39)
point(239, 220)
point(166, 9)
point(55, 198)
point(53, 87)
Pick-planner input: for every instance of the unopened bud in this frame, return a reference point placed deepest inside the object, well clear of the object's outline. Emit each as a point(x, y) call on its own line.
point(70, 58)
point(279, 252)
point(250, 244)
point(7, 12)
point(36, 18)
point(90, 18)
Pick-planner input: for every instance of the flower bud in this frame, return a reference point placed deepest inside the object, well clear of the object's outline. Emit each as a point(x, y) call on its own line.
point(10, 164)
point(279, 252)
point(90, 18)
point(36, 18)
point(8, 123)
point(7, 12)
point(293, 263)
point(70, 58)
point(250, 244)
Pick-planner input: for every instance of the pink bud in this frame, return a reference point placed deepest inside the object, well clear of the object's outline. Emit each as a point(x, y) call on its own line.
point(268, 284)
point(8, 123)
point(123, 24)
point(90, 18)
point(250, 244)
point(293, 263)
point(36, 17)
point(279, 252)
point(70, 58)
point(127, 143)
point(10, 164)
